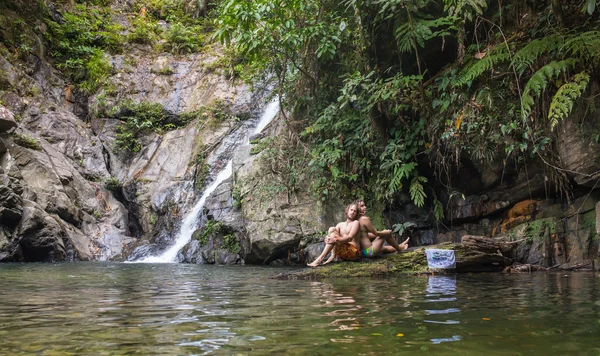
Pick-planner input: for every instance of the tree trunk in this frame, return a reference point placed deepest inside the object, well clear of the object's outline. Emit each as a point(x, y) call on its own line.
point(203, 8)
point(558, 13)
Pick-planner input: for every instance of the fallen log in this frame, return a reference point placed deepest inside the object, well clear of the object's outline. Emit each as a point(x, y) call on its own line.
point(473, 254)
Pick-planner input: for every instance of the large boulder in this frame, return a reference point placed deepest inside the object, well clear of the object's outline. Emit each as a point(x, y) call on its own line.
point(7, 119)
point(578, 149)
point(67, 217)
point(214, 243)
point(277, 221)
point(40, 235)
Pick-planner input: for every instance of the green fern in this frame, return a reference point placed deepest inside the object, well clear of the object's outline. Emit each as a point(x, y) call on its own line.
point(584, 45)
point(401, 171)
point(563, 100)
point(417, 194)
point(493, 57)
point(438, 209)
point(528, 55)
point(465, 9)
point(539, 81)
point(422, 31)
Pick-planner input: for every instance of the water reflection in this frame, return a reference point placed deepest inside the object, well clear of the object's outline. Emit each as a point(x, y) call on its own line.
point(111, 309)
point(442, 290)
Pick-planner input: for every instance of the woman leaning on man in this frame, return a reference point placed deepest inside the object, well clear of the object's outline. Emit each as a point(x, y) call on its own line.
point(356, 238)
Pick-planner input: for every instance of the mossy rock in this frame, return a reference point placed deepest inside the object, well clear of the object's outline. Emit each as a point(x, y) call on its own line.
point(479, 255)
point(413, 262)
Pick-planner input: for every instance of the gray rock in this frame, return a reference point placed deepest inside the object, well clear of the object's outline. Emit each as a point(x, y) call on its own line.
point(40, 236)
point(11, 208)
point(209, 245)
point(7, 119)
point(579, 153)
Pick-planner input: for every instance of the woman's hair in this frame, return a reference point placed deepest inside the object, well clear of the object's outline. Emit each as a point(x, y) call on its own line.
point(357, 203)
point(355, 207)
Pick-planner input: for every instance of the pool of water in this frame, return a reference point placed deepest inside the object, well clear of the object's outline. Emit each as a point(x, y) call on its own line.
point(173, 309)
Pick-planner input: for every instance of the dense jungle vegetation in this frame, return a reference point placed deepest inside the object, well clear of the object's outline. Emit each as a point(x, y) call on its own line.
point(385, 98)
point(381, 98)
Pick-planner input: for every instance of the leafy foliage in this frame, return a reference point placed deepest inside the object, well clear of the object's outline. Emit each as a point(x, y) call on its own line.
point(538, 82)
point(145, 31)
point(384, 109)
point(78, 43)
point(113, 184)
point(139, 118)
point(26, 141)
point(567, 94)
point(184, 39)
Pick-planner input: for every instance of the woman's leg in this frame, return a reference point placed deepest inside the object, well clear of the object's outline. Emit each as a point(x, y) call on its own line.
point(377, 246)
point(389, 238)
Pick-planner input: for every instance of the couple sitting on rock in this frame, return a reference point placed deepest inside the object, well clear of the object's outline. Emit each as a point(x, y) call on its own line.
point(356, 238)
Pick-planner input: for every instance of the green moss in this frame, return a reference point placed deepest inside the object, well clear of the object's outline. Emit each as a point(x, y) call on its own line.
point(405, 263)
point(26, 141)
point(164, 71)
point(589, 219)
point(535, 229)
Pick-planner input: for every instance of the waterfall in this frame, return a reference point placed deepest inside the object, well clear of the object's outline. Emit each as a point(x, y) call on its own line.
point(271, 110)
point(190, 221)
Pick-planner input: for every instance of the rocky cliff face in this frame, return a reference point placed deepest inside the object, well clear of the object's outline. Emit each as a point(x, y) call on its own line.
point(69, 192)
point(552, 212)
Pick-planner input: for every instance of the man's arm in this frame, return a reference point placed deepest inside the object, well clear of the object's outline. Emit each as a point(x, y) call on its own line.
point(351, 234)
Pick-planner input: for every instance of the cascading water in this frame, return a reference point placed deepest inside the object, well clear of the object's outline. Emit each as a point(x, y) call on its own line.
point(190, 222)
point(271, 110)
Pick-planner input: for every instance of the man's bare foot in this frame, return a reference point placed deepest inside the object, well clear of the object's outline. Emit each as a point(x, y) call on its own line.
point(315, 263)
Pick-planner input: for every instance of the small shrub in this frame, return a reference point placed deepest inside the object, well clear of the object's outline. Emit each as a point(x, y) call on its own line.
point(201, 174)
point(97, 70)
point(113, 184)
point(231, 243)
point(137, 119)
point(237, 198)
point(202, 234)
point(260, 145)
point(183, 39)
point(144, 31)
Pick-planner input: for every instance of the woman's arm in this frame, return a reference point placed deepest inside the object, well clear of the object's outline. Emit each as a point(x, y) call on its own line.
point(366, 222)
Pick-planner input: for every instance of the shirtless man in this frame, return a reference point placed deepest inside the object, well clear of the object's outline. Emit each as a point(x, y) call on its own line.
point(344, 238)
point(371, 240)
